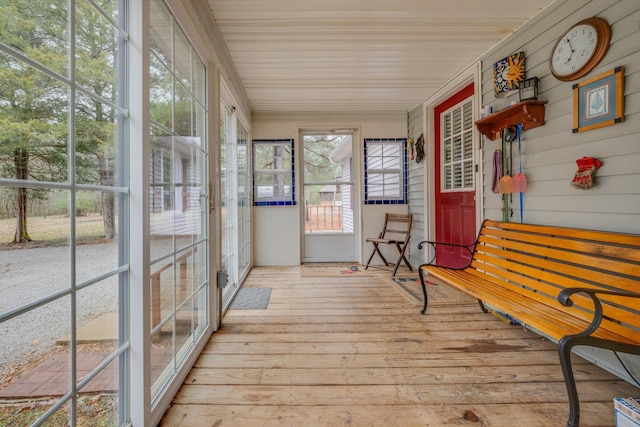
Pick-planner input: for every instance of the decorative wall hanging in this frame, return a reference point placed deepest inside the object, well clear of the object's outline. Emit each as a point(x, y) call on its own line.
point(507, 73)
point(583, 178)
point(420, 148)
point(410, 148)
point(599, 101)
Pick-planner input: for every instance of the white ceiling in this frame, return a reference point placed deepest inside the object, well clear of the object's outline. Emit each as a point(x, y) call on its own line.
point(348, 55)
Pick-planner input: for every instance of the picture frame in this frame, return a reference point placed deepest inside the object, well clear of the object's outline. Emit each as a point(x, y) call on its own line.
point(599, 101)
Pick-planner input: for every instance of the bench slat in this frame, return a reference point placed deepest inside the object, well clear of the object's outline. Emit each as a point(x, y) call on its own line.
point(523, 307)
point(550, 282)
point(631, 240)
point(593, 261)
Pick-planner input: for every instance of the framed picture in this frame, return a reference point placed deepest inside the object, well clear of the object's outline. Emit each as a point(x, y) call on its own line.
point(599, 101)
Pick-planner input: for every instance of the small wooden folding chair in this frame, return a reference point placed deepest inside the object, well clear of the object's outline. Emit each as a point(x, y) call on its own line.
point(396, 231)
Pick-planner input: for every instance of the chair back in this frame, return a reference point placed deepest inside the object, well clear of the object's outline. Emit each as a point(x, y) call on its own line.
point(397, 227)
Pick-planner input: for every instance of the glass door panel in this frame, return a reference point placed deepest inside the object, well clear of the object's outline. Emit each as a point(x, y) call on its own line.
point(329, 216)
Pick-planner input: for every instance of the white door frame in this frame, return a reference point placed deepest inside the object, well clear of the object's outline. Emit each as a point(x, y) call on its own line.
point(331, 247)
point(471, 74)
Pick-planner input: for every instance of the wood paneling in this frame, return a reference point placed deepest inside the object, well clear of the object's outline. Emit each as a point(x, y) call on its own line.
point(356, 351)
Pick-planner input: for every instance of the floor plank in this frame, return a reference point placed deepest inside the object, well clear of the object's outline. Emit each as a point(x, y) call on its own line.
point(356, 352)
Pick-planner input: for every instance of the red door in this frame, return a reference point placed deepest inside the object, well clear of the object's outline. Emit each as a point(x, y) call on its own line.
point(455, 205)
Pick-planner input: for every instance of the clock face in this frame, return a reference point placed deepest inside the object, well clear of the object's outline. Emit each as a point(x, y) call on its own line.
point(580, 49)
point(574, 50)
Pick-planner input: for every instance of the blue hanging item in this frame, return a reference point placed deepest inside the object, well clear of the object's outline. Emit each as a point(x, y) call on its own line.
point(519, 181)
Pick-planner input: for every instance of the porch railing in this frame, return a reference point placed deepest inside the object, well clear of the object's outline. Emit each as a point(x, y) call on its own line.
point(323, 218)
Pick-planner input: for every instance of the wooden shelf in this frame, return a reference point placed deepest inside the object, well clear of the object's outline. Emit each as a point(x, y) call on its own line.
point(529, 113)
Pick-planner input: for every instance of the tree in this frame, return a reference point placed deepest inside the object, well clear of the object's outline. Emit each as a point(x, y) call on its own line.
point(35, 107)
point(97, 57)
point(318, 166)
point(31, 105)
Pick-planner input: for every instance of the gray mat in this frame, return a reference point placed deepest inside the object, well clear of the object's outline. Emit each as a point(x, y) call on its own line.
point(251, 299)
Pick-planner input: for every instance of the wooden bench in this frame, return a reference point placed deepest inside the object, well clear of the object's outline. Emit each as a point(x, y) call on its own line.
point(575, 287)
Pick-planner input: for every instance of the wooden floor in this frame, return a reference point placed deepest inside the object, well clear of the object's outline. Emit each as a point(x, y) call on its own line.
point(355, 351)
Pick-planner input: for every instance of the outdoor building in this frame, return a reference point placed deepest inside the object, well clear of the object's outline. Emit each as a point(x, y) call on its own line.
point(154, 152)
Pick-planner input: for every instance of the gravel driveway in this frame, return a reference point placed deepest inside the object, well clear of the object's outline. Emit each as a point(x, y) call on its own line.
point(27, 275)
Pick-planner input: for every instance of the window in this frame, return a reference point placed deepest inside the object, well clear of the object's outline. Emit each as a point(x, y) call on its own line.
point(385, 171)
point(64, 168)
point(179, 180)
point(273, 172)
point(244, 207)
point(457, 148)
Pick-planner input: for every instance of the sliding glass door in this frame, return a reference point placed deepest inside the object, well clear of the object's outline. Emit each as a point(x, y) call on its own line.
point(235, 201)
point(178, 198)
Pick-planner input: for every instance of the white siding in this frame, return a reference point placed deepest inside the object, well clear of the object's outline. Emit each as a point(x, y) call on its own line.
point(416, 189)
point(347, 197)
point(550, 151)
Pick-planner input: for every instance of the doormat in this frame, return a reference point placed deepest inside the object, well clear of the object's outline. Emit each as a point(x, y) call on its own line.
point(411, 285)
point(251, 299)
point(333, 270)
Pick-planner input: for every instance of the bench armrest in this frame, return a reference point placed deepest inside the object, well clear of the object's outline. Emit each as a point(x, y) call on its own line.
point(564, 297)
point(433, 244)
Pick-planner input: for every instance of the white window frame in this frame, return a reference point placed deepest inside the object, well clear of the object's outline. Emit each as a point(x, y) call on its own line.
point(391, 165)
point(450, 163)
point(288, 196)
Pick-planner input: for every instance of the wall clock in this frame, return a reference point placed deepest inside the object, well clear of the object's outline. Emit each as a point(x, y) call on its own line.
point(580, 49)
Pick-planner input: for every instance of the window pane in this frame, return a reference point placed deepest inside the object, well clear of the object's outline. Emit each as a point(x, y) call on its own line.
point(468, 145)
point(96, 57)
point(199, 86)
point(446, 125)
point(457, 149)
point(318, 165)
point(385, 170)
point(41, 33)
point(161, 93)
point(182, 112)
point(96, 139)
point(273, 174)
point(33, 141)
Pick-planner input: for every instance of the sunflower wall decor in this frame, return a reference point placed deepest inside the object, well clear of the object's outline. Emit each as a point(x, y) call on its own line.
point(507, 73)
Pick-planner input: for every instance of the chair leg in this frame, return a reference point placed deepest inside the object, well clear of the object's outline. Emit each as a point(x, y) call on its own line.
point(401, 250)
point(375, 249)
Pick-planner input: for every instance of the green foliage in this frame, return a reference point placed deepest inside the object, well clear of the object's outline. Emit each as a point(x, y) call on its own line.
point(35, 106)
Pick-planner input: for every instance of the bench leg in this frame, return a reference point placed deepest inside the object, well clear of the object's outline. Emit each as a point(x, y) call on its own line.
point(424, 291)
point(564, 352)
point(482, 307)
